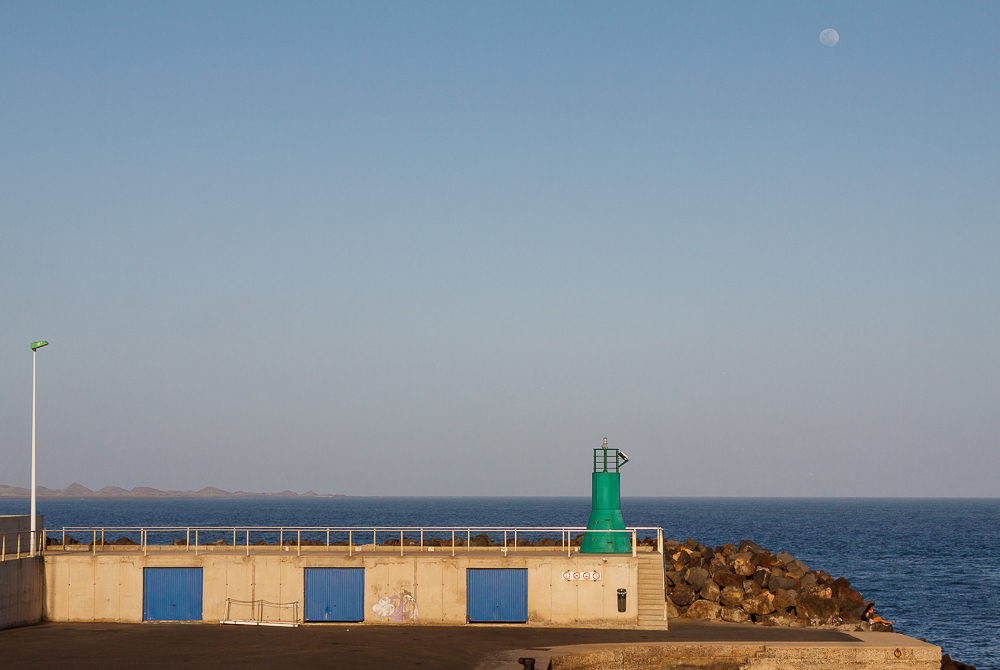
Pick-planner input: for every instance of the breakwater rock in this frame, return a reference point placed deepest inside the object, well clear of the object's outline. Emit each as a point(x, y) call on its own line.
point(747, 583)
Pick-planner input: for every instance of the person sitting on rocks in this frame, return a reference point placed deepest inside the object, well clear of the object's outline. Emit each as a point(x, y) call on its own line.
point(870, 617)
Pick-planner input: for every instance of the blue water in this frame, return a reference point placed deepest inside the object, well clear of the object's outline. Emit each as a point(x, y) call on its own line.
point(931, 565)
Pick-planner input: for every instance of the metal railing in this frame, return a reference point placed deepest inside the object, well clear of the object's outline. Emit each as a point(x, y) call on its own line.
point(513, 537)
point(17, 544)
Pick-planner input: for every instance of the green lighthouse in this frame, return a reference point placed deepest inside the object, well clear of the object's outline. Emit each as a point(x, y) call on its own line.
point(606, 506)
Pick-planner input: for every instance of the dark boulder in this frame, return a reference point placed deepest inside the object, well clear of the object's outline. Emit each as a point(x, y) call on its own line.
point(759, 604)
point(776, 583)
point(784, 557)
point(811, 606)
point(823, 592)
point(847, 594)
point(726, 578)
point(710, 591)
point(683, 595)
point(672, 611)
point(796, 568)
point(696, 577)
point(851, 614)
point(752, 547)
point(674, 578)
point(785, 599)
point(717, 563)
point(731, 596)
point(948, 664)
point(762, 577)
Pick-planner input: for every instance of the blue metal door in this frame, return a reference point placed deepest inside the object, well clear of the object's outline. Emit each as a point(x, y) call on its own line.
point(497, 595)
point(171, 594)
point(335, 594)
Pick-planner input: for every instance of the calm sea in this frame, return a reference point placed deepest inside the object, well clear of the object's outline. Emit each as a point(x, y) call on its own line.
point(932, 565)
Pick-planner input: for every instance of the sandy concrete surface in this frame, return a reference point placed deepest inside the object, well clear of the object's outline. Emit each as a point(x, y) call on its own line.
point(159, 645)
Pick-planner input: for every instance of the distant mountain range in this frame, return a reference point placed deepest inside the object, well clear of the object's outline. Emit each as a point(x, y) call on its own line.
point(80, 491)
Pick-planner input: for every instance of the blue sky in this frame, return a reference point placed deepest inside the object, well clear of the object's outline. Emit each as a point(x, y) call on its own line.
point(446, 249)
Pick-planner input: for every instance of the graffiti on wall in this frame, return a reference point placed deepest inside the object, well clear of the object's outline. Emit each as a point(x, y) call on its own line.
point(398, 607)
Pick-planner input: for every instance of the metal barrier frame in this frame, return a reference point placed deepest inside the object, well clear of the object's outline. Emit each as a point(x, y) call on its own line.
point(257, 608)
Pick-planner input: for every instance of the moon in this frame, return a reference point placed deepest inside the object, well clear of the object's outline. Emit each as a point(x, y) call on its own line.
point(829, 37)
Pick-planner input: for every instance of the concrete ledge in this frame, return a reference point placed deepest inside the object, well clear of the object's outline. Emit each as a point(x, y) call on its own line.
point(871, 651)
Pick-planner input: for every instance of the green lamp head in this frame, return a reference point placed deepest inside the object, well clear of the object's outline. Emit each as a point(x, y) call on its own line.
point(38, 345)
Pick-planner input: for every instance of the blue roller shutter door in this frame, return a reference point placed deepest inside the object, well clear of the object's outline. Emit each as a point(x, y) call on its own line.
point(171, 594)
point(335, 594)
point(497, 595)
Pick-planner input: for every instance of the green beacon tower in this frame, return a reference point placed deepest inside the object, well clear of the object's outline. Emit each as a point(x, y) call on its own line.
point(606, 505)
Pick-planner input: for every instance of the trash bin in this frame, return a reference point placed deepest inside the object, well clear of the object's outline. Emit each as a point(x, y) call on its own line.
point(621, 600)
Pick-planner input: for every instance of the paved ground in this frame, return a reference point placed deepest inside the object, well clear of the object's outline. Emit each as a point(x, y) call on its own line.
point(111, 646)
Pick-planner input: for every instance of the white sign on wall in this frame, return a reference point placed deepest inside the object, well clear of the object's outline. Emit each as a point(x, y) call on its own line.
point(572, 576)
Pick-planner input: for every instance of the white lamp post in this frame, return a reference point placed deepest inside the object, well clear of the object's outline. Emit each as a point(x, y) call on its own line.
point(35, 346)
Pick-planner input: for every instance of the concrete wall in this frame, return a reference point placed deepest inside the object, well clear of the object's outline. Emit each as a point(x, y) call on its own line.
point(108, 586)
point(18, 527)
point(22, 591)
point(874, 651)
